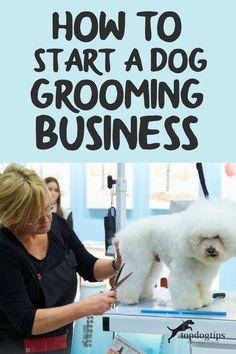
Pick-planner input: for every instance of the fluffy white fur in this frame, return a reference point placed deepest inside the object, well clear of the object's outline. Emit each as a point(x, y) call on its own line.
point(192, 243)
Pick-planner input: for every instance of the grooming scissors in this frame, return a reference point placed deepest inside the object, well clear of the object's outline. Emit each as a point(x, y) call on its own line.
point(117, 283)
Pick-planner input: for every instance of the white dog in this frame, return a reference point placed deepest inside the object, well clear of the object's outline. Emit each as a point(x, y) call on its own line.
point(192, 243)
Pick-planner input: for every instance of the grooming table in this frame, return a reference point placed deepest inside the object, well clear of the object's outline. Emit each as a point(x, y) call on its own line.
point(213, 334)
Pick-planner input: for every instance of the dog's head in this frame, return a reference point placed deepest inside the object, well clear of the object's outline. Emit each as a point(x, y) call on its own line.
point(209, 229)
point(211, 249)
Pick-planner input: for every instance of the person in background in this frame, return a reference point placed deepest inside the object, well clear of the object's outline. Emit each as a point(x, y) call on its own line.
point(54, 188)
point(40, 256)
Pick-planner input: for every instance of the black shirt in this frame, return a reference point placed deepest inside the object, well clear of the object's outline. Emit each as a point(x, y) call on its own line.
point(20, 295)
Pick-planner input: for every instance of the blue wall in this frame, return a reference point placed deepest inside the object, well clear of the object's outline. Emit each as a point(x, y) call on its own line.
point(89, 222)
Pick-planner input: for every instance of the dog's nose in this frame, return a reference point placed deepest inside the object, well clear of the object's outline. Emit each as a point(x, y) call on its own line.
point(211, 251)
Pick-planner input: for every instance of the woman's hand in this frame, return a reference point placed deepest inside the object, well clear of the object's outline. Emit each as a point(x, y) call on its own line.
point(106, 268)
point(99, 303)
point(50, 319)
point(118, 260)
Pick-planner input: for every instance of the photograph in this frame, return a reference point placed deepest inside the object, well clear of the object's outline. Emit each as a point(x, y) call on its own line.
point(117, 177)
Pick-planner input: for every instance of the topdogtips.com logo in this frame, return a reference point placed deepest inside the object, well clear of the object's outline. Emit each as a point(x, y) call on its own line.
point(185, 325)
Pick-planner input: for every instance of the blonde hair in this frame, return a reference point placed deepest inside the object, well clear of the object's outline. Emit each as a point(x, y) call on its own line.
point(22, 196)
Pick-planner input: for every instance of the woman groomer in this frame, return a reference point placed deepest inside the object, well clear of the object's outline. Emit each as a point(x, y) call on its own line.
point(39, 258)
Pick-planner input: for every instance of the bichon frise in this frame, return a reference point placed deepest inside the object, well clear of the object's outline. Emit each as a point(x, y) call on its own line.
point(192, 244)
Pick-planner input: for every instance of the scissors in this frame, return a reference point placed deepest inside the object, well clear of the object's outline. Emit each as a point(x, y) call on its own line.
point(117, 283)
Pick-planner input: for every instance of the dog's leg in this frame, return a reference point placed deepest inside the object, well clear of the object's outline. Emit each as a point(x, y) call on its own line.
point(173, 334)
point(184, 292)
point(204, 284)
point(151, 280)
point(204, 293)
point(130, 291)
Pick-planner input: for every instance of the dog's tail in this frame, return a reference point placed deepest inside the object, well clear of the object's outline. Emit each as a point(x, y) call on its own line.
point(169, 328)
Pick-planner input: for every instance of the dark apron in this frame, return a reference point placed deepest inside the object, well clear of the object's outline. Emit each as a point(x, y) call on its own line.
point(55, 282)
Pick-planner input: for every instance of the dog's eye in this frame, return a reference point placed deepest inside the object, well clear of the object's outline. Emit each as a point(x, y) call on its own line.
point(216, 237)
